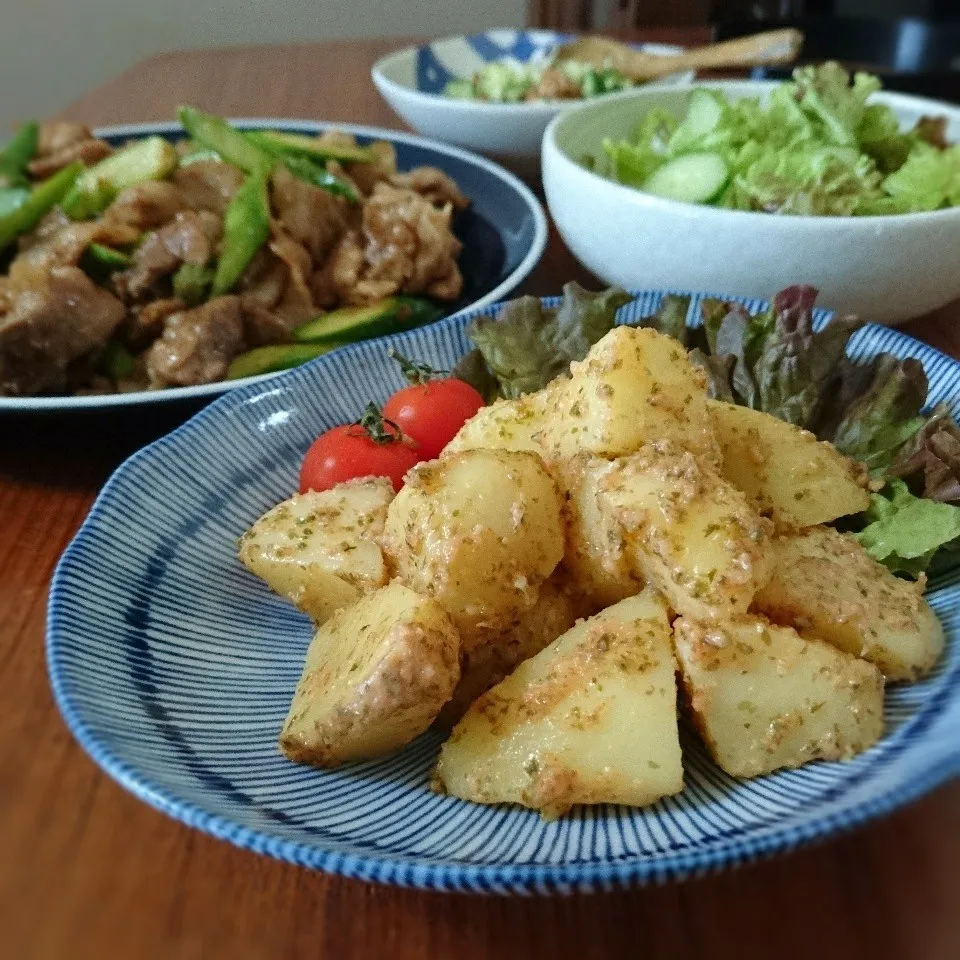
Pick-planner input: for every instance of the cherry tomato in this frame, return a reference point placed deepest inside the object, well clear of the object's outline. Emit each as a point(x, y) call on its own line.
point(431, 413)
point(356, 450)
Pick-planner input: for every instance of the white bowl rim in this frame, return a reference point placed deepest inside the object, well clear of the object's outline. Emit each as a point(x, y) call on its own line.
point(482, 106)
point(635, 196)
point(164, 127)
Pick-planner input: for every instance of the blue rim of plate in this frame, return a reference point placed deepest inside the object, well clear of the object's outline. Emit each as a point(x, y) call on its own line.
point(507, 285)
point(735, 847)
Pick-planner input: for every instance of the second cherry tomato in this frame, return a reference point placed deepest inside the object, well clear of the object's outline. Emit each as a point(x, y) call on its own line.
point(431, 413)
point(350, 452)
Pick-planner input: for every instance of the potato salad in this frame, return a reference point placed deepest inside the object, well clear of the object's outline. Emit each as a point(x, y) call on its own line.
point(583, 564)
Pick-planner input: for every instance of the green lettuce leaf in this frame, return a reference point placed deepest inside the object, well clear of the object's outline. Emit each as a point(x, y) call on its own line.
point(527, 345)
point(904, 532)
point(814, 146)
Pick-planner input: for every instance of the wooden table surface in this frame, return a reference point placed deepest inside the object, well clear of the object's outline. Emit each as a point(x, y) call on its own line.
point(88, 871)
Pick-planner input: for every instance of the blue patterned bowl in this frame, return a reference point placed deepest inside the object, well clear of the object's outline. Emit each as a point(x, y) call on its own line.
point(412, 82)
point(174, 667)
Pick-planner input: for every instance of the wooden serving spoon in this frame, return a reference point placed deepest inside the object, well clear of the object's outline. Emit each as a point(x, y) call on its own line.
point(770, 47)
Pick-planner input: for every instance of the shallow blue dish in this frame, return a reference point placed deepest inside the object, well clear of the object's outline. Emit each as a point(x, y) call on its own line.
point(504, 233)
point(173, 667)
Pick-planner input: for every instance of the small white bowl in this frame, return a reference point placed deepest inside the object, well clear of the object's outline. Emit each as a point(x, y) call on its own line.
point(412, 82)
point(886, 269)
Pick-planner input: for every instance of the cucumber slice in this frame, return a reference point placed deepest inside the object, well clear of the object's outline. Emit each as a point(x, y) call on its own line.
point(703, 113)
point(360, 323)
point(270, 359)
point(277, 140)
point(152, 158)
point(692, 178)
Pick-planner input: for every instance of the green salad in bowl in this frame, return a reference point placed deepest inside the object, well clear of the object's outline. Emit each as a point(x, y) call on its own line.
point(814, 146)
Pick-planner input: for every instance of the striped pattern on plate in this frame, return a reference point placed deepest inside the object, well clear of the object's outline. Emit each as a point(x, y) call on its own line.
point(173, 668)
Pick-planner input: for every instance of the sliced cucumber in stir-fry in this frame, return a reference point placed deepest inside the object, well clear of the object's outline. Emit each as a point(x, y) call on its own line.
point(359, 323)
point(150, 159)
point(282, 356)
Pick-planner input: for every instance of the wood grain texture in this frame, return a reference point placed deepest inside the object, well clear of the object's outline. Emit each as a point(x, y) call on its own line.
point(88, 871)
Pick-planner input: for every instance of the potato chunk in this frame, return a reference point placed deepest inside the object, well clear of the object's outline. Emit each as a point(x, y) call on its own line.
point(479, 531)
point(765, 698)
point(590, 719)
point(786, 473)
point(596, 555)
point(826, 585)
point(503, 425)
point(375, 677)
point(320, 550)
point(490, 655)
point(687, 530)
point(634, 387)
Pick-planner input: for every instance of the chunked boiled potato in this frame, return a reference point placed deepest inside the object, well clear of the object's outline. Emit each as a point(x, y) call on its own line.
point(787, 474)
point(490, 655)
point(590, 719)
point(826, 585)
point(596, 556)
point(375, 677)
point(687, 531)
point(765, 698)
point(635, 386)
point(503, 425)
point(478, 531)
point(320, 549)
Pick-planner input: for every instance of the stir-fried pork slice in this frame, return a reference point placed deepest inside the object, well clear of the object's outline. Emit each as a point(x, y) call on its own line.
point(406, 246)
point(88, 152)
point(54, 135)
point(197, 345)
point(433, 185)
point(56, 317)
point(61, 143)
point(314, 217)
point(146, 205)
point(367, 175)
point(190, 237)
point(275, 295)
point(208, 185)
point(144, 322)
point(57, 241)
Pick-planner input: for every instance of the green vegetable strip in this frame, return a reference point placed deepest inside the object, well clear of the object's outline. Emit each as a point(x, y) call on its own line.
point(117, 362)
point(152, 158)
point(232, 145)
point(246, 228)
point(11, 198)
point(302, 166)
point(191, 283)
point(17, 154)
point(43, 198)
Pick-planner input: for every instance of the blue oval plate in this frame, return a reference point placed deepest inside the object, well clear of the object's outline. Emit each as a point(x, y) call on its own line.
point(174, 667)
point(504, 233)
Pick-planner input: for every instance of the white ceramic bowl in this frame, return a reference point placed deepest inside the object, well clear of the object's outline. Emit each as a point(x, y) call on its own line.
point(412, 82)
point(887, 269)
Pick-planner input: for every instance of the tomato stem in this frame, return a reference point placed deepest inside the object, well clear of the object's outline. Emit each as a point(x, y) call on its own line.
point(377, 427)
point(415, 373)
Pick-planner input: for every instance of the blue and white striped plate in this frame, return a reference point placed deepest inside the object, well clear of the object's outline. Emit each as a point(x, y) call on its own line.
point(174, 667)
